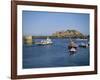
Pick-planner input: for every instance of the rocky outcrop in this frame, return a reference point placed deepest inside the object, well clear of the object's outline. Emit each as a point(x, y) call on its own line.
point(69, 33)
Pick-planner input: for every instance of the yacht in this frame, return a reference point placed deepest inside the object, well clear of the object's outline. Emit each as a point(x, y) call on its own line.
point(45, 42)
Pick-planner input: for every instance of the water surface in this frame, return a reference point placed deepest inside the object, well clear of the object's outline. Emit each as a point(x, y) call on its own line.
point(55, 55)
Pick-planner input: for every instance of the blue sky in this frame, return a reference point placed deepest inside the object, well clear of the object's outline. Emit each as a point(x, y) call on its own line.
point(40, 23)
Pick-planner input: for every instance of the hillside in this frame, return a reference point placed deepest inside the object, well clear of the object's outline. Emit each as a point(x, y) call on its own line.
point(69, 33)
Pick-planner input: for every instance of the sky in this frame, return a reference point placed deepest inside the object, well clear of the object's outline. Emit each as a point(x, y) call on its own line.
point(41, 23)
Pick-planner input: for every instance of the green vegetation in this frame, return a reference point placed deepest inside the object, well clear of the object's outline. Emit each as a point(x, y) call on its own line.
point(69, 33)
point(63, 34)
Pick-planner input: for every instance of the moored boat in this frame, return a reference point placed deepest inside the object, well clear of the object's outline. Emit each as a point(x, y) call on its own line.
point(72, 50)
point(45, 42)
point(72, 46)
point(84, 45)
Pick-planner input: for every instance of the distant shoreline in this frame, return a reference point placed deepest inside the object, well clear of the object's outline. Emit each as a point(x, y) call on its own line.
point(64, 34)
point(54, 37)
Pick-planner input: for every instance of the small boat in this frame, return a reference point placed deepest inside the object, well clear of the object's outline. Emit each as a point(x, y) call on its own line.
point(72, 50)
point(45, 42)
point(84, 45)
point(78, 39)
point(72, 46)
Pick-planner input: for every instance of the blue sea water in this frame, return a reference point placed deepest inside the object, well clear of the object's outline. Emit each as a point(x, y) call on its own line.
point(55, 55)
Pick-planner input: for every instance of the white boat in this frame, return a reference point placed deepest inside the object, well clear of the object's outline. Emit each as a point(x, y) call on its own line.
point(72, 46)
point(72, 50)
point(78, 39)
point(84, 45)
point(45, 42)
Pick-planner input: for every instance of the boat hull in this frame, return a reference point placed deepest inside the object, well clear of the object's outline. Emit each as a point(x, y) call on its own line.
point(43, 43)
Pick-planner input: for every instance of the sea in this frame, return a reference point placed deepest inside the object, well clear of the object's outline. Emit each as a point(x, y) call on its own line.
point(54, 55)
